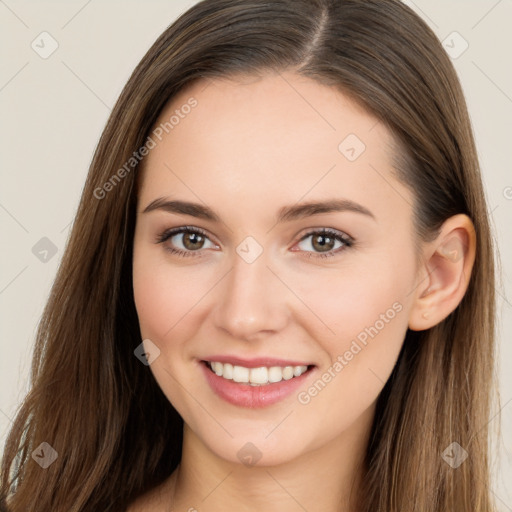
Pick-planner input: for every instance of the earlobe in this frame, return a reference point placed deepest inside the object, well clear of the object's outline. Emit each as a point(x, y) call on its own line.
point(445, 273)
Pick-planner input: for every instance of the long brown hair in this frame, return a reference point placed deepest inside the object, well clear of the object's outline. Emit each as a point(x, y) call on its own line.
point(115, 433)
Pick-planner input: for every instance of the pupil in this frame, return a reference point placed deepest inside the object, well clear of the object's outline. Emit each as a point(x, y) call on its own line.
point(322, 242)
point(192, 239)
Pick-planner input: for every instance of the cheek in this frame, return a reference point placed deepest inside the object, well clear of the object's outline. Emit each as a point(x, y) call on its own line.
point(164, 299)
point(164, 296)
point(365, 308)
point(355, 300)
point(154, 300)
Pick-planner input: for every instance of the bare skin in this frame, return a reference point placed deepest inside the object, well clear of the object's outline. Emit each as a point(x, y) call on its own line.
point(250, 147)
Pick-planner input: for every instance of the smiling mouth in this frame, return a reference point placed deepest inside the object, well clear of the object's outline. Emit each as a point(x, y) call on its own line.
point(261, 376)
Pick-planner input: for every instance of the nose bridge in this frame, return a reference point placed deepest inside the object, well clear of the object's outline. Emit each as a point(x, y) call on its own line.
point(251, 299)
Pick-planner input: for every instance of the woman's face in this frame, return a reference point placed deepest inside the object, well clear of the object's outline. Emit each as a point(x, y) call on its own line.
point(256, 286)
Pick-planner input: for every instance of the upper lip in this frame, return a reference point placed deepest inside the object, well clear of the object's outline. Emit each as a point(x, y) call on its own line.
point(255, 362)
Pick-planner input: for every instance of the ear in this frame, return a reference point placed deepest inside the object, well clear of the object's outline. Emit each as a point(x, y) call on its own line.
point(444, 273)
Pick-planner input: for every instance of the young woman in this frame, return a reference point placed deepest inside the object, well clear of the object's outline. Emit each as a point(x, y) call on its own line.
point(278, 293)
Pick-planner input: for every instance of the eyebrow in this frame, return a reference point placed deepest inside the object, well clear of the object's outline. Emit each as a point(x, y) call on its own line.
point(285, 214)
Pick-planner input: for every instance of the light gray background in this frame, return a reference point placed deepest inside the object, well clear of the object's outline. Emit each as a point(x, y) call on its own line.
point(53, 111)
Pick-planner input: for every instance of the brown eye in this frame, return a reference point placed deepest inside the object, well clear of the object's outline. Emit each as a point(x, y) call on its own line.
point(192, 241)
point(324, 242)
point(185, 241)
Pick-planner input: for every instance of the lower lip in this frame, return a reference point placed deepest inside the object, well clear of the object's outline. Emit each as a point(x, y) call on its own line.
point(252, 397)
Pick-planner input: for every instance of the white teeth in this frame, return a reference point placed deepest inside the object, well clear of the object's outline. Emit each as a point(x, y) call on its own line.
point(217, 368)
point(288, 372)
point(227, 371)
point(256, 376)
point(297, 371)
point(275, 374)
point(240, 374)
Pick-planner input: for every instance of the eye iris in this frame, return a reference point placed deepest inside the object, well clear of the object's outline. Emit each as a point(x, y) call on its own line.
point(323, 243)
point(193, 240)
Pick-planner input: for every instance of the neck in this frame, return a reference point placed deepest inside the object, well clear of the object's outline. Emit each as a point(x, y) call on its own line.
point(326, 478)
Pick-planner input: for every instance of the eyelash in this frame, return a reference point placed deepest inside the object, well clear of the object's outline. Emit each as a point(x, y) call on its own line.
point(338, 235)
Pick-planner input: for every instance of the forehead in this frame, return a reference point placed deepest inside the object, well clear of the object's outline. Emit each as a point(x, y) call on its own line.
point(275, 138)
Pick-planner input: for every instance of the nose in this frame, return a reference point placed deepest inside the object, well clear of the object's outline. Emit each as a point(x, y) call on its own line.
point(251, 302)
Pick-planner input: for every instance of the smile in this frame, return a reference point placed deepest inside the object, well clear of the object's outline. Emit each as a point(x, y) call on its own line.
point(256, 376)
point(256, 386)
